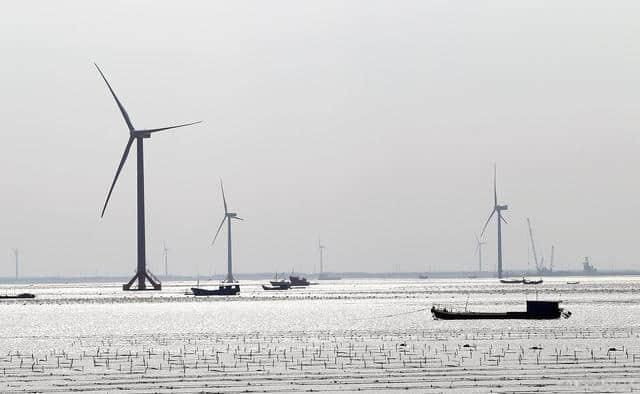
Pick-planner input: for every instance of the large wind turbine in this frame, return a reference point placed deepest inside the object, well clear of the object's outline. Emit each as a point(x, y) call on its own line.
point(497, 208)
point(479, 252)
point(227, 216)
point(138, 135)
point(321, 247)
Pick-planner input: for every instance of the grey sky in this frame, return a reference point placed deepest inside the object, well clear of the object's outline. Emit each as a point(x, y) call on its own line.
point(372, 123)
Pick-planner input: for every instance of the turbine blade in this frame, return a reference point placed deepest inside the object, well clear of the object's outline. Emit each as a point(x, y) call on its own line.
point(487, 222)
point(219, 228)
point(235, 217)
point(124, 158)
point(167, 128)
point(503, 219)
point(224, 200)
point(123, 111)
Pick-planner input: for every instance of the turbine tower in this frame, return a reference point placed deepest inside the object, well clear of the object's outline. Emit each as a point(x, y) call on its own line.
point(479, 252)
point(16, 253)
point(497, 208)
point(165, 253)
point(138, 135)
point(321, 247)
point(228, 216)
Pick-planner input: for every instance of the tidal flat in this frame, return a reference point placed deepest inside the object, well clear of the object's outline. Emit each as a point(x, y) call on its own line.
point(337, 336)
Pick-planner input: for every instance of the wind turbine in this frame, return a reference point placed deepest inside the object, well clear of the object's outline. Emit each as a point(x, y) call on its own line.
point(497, 208)
point(165, 253)
point(228, 216)
point(138, 135)
point(479, 252)
point(16, 253)
point(321, 247)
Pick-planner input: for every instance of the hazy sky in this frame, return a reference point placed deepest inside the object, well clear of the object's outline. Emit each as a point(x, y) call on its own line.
point(374, 124)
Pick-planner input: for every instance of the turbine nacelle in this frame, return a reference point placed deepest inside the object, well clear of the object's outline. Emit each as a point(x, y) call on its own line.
point(141, 134)
point(502, 207)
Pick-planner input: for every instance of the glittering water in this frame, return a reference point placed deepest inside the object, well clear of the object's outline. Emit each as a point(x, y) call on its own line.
point(343, 335)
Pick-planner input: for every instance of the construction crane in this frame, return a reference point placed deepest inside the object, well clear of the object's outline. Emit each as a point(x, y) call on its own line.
point(533, 247)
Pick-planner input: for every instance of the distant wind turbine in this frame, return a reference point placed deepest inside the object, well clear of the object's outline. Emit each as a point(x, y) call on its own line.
point(321, 247)
point(16, 253)
point(228, 216)
point(138, 135)
point(479, 252)
point(497, 208)
point(165, 253)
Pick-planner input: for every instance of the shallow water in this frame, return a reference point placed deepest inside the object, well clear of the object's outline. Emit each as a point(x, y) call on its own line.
point(342, 335)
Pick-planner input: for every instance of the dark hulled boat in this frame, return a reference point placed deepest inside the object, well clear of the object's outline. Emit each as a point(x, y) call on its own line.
point(222, 290)
point(284, 286)
point(13, 297)
point(532, 282)
point(511, 281)
point(298, 281)
point(535, 310)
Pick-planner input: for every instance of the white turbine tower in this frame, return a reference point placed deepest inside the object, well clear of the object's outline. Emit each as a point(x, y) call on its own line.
point(478, 251)
point(16, 253)
point(321, 248)
point(228, 216)
point(497, 208)
point(165, 253)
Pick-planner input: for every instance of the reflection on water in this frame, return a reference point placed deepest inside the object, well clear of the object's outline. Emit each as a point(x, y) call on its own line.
point(84, 317)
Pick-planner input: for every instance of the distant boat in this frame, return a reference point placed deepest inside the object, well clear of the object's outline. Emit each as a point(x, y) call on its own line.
point(423, 276)
point(223, 290)
point(279, 282)
point(285, 286)
point(298, 281)
point(511, 281)
point(21, 295)
point(535, 310)
point(573, 283)
point(531, 282)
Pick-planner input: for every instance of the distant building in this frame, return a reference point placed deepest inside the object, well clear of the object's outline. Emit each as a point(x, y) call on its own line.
point(587, 268)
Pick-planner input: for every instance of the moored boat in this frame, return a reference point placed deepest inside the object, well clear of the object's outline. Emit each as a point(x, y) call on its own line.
point(285, 286)
point(531, 282)
point(222, 290)
point(535, 310)
point(298, 281)
point(511, 281)
point(21, 295)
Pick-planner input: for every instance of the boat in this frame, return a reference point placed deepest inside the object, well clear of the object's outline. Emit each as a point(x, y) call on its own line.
point(535, 310)
point(21, 295)
point(531, 282)
point(511, 281)
point(223, 290)
point(286, 286)
point(298, 281)
point(423, 276)
point(573, 283)
point(279, 282)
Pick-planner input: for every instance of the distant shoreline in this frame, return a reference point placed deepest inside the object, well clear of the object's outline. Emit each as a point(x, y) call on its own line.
point(343, 275)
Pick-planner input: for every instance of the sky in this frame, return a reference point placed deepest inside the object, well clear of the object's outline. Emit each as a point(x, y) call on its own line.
point(373, 125)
